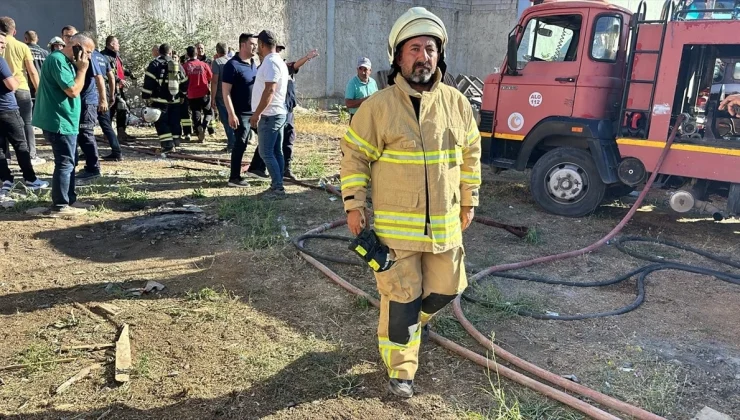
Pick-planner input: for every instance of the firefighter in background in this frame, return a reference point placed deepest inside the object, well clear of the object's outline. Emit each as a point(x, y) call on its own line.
point(199, 92)
point(200, 49)
point(165, 86)
point(185, 122)
point(419, 146)
point(120, 105)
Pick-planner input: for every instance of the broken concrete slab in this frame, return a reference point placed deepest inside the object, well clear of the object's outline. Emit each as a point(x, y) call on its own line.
point(123, 356)
point(708, 413)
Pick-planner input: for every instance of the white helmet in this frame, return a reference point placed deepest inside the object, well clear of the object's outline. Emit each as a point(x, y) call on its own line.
point(151, 114)
point(417, 21)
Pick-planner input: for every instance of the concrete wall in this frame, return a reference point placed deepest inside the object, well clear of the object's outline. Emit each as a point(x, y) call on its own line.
point(477, 30)
point(46, 17)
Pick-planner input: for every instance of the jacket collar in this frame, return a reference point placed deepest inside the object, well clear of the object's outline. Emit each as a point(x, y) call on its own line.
point(402, 84)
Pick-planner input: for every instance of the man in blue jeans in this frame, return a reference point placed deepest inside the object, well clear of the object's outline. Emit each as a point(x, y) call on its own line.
point(57, 113)
point(238, 77)
point(268, 103)
point(11, 125)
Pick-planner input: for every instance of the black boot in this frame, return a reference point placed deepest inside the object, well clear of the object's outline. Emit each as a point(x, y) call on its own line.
point(113, 157)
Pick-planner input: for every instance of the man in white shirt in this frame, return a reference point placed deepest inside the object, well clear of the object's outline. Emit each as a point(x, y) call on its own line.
point(268, 104)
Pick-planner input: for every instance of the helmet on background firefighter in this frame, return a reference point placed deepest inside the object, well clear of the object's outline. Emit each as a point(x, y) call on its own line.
point(417, 21)
point(151, 115)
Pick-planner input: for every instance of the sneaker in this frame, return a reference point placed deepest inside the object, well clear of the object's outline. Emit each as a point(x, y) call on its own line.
point(238, 183)
point(113, 157)
point(186, 138)
point(65, 211)
point(226, 150)
point(6, 188)
point(85, 176)
point(201, 135)
point(258, 174)
point(37, 161)
point(275, 194)
point(289, 174)
point(401, 387)
point(81, 205)
point(36, 185)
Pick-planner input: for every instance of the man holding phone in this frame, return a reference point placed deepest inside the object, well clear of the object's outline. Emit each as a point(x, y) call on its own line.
point(57, 113)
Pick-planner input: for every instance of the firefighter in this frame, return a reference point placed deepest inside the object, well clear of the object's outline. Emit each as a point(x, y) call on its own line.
point(165, 86)
point(120, 101)
point(210, 121)
point(185, 122)
point(418, 146)
point(199, 92)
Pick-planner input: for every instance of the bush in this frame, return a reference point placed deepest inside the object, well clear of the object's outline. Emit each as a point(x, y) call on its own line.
point(138, 38)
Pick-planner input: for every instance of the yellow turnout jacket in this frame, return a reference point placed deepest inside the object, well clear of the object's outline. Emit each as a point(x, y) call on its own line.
point(422, 169)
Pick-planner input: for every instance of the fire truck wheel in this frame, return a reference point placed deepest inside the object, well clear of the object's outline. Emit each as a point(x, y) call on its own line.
point(565, 182)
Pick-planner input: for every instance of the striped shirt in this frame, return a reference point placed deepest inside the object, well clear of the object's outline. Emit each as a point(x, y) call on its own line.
point(39, 55)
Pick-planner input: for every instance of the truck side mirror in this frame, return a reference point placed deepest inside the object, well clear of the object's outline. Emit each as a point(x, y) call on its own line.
point(511, 61)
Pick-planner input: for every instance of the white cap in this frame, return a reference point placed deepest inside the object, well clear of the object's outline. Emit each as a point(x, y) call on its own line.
point(364, 62)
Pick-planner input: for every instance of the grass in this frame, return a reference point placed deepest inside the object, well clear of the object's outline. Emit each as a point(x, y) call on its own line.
point(447, 326)
point(141, 367)
point(650, 383)
point(256, 218)
point(533, 236)
point(505, 308)
point(320, 124)
point(133, 198)
point(198, 193)
point(34, 354)
point(210, 295)
point(32, 199)
point(312, 166)
point(362, 303)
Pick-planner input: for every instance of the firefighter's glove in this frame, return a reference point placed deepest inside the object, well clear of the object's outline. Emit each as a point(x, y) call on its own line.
point(375, 254)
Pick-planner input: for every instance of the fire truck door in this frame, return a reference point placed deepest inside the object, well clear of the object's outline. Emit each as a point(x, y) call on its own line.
point(548, 62)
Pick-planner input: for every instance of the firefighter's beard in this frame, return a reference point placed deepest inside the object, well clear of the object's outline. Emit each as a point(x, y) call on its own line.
point(421, 74)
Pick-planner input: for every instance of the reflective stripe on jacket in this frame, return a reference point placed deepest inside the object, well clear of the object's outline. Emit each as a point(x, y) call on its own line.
point(421, 170)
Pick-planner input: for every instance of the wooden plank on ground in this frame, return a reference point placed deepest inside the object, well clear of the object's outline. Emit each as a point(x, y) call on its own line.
point(123, 356)
point(82, 374)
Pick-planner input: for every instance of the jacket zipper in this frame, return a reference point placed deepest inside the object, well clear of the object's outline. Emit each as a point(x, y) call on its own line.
point(427, 218)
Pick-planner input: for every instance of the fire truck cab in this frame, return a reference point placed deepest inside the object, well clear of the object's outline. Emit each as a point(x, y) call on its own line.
point(589, 91)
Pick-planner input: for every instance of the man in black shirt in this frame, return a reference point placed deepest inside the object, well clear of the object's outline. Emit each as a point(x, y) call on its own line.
point(39, 54)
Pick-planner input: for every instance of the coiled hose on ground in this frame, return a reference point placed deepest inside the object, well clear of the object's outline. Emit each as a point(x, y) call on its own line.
point(500, 353)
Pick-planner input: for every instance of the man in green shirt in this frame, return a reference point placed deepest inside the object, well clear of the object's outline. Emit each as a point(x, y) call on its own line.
point(360, 87)
point(57, 113)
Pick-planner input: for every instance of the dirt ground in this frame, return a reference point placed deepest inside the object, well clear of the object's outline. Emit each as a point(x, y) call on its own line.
point(245, 328)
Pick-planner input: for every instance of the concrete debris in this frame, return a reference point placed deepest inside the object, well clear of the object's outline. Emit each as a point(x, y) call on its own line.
point(82, 374)
point(707, 413)
point(153, 285)
point(123, 356)
point(108, 308)
point(573, 378)
point(148, 288)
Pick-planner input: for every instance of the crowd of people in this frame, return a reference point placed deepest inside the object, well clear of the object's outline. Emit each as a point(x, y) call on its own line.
point(415, 145)
point(69, 88)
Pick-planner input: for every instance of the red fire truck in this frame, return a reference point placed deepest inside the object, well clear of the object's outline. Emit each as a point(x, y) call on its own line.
point(589, 92)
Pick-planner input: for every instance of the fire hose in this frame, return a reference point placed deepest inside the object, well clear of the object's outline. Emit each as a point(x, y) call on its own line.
point(547, 390)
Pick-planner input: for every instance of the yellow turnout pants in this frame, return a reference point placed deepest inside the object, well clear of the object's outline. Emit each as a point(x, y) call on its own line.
point(417, 286)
